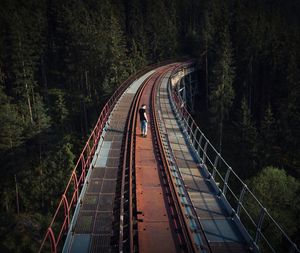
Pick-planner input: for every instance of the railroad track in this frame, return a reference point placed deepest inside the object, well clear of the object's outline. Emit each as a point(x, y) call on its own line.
point(151, 214)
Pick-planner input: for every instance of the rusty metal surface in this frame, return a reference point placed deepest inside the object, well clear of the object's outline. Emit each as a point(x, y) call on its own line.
point(154, 231)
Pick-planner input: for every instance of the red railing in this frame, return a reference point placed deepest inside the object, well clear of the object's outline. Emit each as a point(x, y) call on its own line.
point(61, 219)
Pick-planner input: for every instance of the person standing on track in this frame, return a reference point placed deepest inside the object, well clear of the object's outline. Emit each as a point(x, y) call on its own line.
point(143, 120)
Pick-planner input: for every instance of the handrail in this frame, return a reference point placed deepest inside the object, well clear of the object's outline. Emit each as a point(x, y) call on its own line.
point(82, 165)
point(218, 169)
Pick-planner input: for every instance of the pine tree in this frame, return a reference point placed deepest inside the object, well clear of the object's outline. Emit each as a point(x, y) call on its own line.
point(268, 139)
point(136, 35)
point(116, 55)
point(161, 29)
point(207, 36)
point(135, 21)
point(59, 110)
point(58, 167)
point(245, 143)
point(10, 128)
point(290, 116)
point(222, 93)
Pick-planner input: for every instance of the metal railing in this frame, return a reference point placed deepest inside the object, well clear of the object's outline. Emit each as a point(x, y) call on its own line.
point(245, 206)
point(65, 210)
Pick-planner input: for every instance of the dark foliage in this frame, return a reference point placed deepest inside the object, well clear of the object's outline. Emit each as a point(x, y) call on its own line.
point(61, 60)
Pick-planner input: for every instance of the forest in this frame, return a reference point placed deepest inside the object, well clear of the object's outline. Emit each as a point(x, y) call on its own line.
point(61, 60)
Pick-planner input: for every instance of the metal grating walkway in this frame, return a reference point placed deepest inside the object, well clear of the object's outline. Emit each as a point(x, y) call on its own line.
point(218, 226)
point(92, 228)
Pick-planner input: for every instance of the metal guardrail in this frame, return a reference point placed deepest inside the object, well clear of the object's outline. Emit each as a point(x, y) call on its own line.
point(256, 220)
point(66, 207)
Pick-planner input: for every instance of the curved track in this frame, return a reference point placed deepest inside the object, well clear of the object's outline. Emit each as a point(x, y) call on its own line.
point(151, 201)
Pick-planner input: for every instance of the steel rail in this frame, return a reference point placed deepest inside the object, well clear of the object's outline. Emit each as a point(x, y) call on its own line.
point(186, 236)
point(126, 239)
point(128, 166)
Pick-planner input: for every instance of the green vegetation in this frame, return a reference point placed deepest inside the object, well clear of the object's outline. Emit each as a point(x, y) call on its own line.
point(249, 58)
point(279, 193)
point(61, 60)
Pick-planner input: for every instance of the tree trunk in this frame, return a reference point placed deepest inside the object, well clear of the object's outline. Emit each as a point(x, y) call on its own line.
point(6, 205)
point(26, 85)
point(250, 83)
point(27, 90)
point(88, 88)
point(221, 136)
point(17, 196)
point(206, 76)
point(44, 78)
point(29, 104)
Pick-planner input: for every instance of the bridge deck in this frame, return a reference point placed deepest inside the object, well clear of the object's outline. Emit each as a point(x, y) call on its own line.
point(154, 226)
point(94, 224)
point(221, 231)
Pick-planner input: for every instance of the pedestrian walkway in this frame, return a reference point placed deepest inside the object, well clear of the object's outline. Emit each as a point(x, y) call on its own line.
point(215, 219)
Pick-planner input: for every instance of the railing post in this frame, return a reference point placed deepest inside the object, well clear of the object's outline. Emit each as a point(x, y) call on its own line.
point(215, 166)
point(191, 129)
point(241, 198)
point(259, 225)
point(181, 108)
point(66, 209)
point(195, 136)
point(88, 149)
point(186, 123)
point(83, 165)
point(52, 240)
point(225, 186)
point(199, 145)
point(74, 176)
point(204, 152)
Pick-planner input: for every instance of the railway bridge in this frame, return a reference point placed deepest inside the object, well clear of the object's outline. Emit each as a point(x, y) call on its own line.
point(169, 192)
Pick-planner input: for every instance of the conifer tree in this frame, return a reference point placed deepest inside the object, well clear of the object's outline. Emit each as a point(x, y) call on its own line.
point(58, 167)
point(207, 36)
point(11, 127)
point(161, 29)
point(115, 55)
point(290, 113)
point(246, 143)
point(222, 93)
point(268, 138)
point(59, 110)
point(136, 35)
